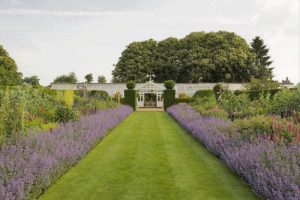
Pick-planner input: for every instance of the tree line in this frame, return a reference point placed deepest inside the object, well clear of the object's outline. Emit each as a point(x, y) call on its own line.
point(198, 57)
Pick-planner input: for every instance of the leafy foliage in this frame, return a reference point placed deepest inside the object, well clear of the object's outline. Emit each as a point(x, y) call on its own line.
point(34, 81)
point(169, 98)
point(70, 78)
point(130, 85)
point(203, 93)
point(89, 78)
point(64, 114)
point(210, 57)
point(262, 61)
point(101, 79)
point(9, 75)
point(169, 84)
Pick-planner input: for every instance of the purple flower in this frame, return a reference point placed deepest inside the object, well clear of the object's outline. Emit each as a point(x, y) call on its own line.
point(30, 165)
point(271, 170)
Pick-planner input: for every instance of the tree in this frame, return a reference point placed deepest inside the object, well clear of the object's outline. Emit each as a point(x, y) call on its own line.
point(70, 78)
point(101, 79)
point(9, 75)
point(89, 78)
point(136, 61)
point(32, 80)
point(262, 61)
point(198, 57)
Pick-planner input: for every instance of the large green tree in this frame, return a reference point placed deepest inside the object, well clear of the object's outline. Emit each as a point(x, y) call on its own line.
point(101, 79)
point(9, 75)
point(136, 61)
point(32, 80)
point(89, 78)
point(262, 61)
point(198, 57)
point(70, 78)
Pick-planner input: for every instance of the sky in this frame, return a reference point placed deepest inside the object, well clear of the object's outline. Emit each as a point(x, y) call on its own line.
point(48, 38)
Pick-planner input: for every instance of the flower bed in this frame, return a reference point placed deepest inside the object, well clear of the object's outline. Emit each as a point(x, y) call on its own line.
point(30, 165)
point(272, 170)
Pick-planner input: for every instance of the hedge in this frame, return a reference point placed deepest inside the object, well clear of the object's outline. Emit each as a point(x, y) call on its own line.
point(130, 98)
point(179, 100)
point(203, 93)
point(169, 98)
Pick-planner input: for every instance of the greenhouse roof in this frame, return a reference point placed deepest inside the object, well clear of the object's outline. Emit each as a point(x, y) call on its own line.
point(113, 88)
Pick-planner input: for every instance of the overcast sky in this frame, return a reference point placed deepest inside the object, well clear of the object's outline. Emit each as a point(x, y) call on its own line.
point(48, 38)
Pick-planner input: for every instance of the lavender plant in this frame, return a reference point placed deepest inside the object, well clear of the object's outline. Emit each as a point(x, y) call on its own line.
point(272, 170)
point(30, 164)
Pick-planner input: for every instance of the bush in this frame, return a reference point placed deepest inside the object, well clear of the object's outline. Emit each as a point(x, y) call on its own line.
point(178, 100)
point(64, 114)
point(218, 90)
point(169, 98)
point(208, 106)
point(130, 98)
point(130, 85)
point(169, 84)
point(286, 100)
point(100, 95)
point(183, 96)
point(203, 93)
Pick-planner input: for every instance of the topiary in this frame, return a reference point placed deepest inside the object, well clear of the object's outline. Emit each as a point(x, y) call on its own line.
point(130, 85)
point(169, 84)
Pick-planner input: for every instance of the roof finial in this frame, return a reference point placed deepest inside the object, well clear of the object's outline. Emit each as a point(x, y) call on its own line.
point(150, 77)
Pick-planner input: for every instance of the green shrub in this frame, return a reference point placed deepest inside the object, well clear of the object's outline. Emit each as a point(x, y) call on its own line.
point(130, 98)
point(253, 126)
point(100, 95)
point(183, 96)
point(208, 106)
point(203, 93)
point(63, 114)
point(218, 90)
point(130, 85)
point(169, 98)
point(169, 84)
point(286, 100)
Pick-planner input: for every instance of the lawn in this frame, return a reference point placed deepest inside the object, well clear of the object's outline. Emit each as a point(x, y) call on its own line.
point(149, 156)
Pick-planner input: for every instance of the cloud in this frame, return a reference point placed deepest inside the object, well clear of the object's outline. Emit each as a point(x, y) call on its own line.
point(52, 12)
point(55, 37)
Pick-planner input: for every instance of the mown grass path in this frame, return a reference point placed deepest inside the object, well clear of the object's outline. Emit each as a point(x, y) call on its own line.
point(149, 156)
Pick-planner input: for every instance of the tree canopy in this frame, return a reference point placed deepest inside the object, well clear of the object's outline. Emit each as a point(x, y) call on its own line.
point(199, 57)
point(32, 80)
point(70, 78)
point(89, 78)
point(101, 79)
point(262, 61)
point(9, 75)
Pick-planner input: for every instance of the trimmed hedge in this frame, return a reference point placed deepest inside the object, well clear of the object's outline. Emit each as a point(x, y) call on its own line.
point(179, 100)
point(203, 93)
point(169, 84)
point(130, 98)
point(169, 98)
point(130, 85)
